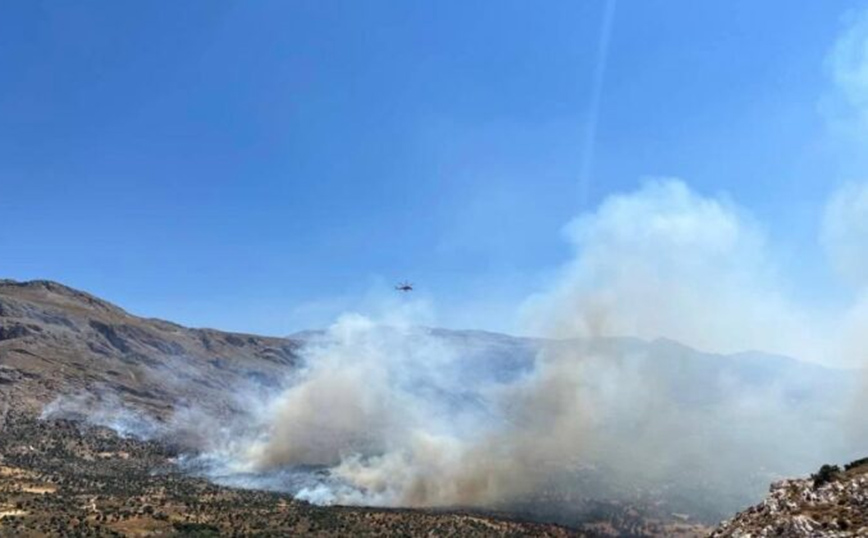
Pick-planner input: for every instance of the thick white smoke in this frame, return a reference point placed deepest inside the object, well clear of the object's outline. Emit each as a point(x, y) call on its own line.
point(389, 413)
point(386, 412)
point(845, 232)
point(664, 261)
point(400, 416)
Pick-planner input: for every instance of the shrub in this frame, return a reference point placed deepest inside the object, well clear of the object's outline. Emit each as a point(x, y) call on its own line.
point(855, 463)
point(826, 474)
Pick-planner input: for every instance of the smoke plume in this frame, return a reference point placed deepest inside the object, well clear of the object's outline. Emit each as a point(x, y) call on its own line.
point(642, 378)
point(386, 412)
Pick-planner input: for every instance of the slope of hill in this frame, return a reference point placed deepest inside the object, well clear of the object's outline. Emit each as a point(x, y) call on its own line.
point(661, 404)
point(57, 339)
point(61, 478)
point(54, 340)
point(833, 502)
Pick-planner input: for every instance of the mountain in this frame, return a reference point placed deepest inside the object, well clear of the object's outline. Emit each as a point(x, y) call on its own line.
point(673, 428)
point(55, 339)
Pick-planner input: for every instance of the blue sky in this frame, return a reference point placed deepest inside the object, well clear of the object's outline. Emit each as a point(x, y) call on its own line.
point(262, 166)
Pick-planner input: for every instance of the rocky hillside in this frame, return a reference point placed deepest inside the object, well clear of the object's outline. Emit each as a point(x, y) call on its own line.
point(54, 339)
point(832, 502)
point(51, 485)
point(59, 342)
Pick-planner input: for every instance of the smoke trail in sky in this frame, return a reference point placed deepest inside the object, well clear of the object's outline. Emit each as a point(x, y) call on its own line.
point(594, 107)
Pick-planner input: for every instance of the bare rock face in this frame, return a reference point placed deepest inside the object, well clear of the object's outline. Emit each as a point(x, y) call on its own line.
point(57, 340)
point(830, 503)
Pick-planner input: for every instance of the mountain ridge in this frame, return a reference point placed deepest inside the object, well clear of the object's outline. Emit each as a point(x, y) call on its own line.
point(56, 341)
point(55, 337)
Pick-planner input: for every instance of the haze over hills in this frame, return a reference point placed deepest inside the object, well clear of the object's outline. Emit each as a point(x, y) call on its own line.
point(662, 426)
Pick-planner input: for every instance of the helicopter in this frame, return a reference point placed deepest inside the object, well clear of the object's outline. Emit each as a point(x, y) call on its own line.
point(404, 287)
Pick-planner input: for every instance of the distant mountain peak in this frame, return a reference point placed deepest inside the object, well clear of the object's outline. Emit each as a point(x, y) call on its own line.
point(49, 291)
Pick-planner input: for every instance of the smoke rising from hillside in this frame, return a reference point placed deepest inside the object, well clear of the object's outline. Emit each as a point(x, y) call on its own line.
point(385, 412)
point(400, 417)
point(646, 259)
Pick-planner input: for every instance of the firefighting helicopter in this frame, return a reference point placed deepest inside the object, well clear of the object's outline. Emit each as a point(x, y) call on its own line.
point(404, 287)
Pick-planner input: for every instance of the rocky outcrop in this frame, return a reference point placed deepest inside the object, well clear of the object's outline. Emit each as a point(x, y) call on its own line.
point(831, 503)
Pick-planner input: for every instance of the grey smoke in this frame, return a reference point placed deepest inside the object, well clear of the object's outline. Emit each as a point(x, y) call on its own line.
point(399, 417)
point(385, 412)
point(610, 400)
point(101, 406)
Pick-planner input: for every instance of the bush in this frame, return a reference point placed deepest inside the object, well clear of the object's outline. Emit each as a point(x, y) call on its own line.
point(826, 474)
point(855, 463)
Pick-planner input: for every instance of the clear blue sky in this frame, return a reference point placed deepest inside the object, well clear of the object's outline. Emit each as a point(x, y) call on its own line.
point(262, 165)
